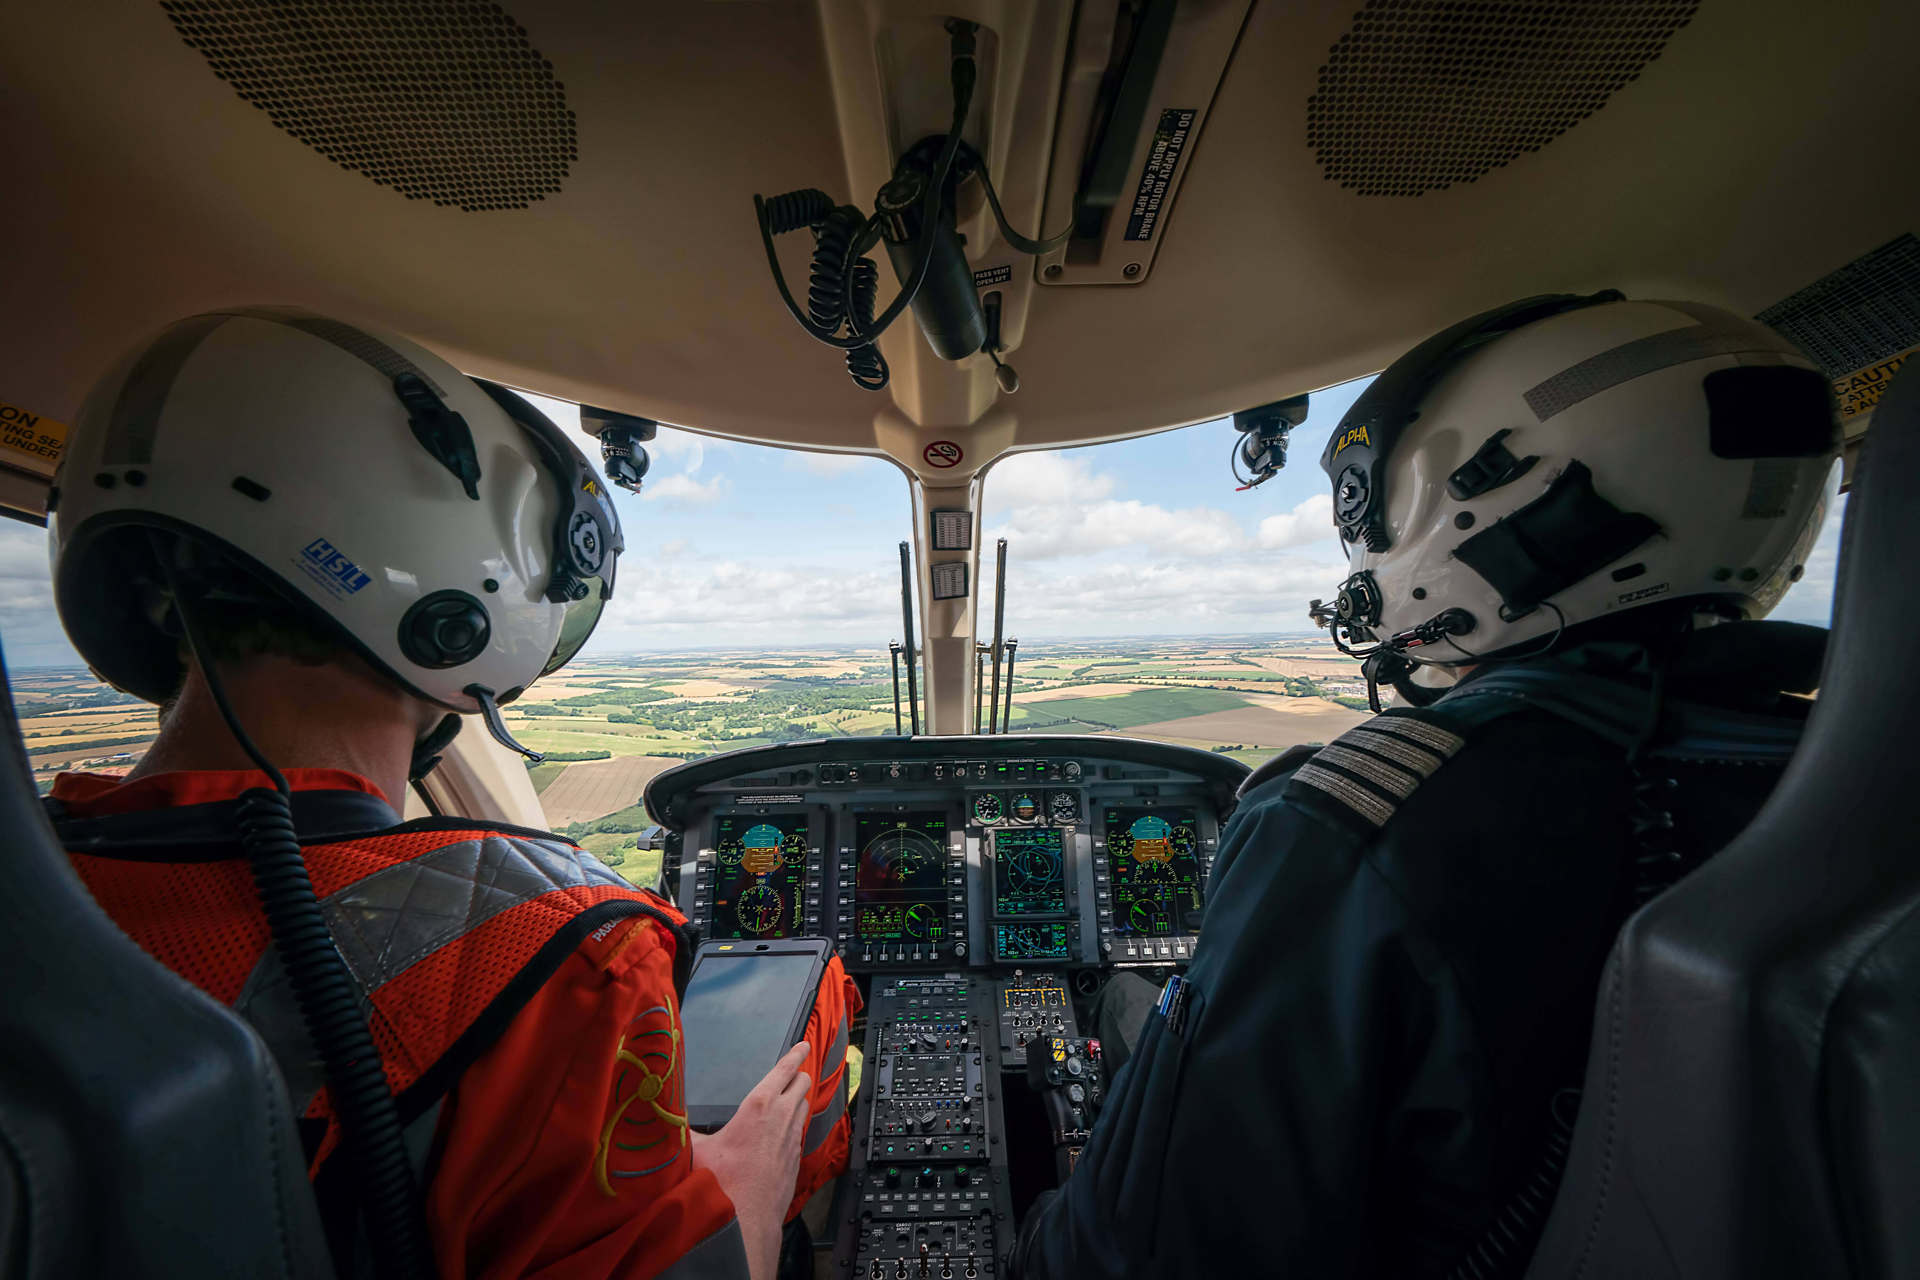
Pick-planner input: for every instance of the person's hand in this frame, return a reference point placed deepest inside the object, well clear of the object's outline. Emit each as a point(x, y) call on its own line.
point(755, 1157)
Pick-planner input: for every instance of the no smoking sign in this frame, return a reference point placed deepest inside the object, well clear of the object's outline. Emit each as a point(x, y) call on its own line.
point(943, 454)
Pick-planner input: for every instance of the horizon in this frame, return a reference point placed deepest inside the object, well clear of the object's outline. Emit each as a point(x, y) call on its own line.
point(879, 647)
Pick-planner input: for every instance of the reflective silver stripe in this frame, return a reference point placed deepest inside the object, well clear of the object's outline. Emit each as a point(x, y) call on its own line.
point(1390, 778)
point(837, 1051)
point(136, 413)
point(398, 916)
point(721, 1256)
point(1405, 754)
point(361, 346)
point(1430, 736)
point(833, 1060)
point(821, 1125)
point(1347, 792)
point(1632, 360)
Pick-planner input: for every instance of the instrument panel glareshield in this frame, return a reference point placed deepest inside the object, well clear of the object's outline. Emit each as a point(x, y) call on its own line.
point(761, 863)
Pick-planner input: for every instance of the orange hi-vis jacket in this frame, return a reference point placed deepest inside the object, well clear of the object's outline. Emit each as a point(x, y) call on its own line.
point(524, 999)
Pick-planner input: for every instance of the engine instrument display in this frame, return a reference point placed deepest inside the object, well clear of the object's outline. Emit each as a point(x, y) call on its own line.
point(762, 863)
point(1048, 941)
point(900, 889)
point(1029, 872)
point(1153, 860)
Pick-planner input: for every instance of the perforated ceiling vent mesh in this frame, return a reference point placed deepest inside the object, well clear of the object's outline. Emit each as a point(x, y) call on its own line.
point(440, 101)
point(1421, 94)
point(1861, 314)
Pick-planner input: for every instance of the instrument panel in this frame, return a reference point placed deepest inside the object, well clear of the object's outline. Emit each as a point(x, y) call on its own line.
point(944, 853)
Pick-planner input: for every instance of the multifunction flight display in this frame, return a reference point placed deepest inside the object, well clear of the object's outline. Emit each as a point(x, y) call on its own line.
point(1029, 872)
point(1153, 857)
point(762, 862)
point(900, 886)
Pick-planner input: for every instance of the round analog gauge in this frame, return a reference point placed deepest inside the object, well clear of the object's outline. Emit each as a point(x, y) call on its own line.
point(759, 909)
point(1025, 808)
point(986, 809)
point(922, 921)
point(1181, 840)
point(1064, 806)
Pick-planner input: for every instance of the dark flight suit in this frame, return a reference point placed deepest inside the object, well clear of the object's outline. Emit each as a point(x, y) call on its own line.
point(1403, 940)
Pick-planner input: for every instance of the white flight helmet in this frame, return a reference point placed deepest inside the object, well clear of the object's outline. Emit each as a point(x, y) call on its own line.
point(440, 525)
point(1566, 458)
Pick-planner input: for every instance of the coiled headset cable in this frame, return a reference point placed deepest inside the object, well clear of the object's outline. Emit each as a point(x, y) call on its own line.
point(371, 1133)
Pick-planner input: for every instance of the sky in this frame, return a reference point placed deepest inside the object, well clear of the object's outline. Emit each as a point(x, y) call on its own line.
point(737, 545)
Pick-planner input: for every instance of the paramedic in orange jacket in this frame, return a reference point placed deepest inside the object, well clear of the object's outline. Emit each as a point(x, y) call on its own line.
point(316, 513)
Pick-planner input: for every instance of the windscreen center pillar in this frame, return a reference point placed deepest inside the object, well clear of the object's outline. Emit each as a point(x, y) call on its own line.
point(944, 466)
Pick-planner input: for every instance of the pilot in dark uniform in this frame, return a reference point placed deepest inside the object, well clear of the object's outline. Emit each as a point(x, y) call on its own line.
point(1576, 508)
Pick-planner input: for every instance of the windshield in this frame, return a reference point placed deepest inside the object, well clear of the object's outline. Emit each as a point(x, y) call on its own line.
point(760, 589)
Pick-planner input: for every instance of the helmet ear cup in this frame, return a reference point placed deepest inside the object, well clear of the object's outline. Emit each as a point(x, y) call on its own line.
point(445, 629)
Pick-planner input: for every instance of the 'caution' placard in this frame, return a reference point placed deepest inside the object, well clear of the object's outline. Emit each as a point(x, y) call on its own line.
point(1860, 390)
point(30, 441)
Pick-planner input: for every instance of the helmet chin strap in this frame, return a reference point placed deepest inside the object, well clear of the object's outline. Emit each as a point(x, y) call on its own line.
point(427, 751)
point(1388, 666)
point(490, 713)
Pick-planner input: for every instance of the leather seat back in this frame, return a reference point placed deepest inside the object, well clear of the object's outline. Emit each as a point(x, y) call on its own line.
point(144, 1130)
point(1752, 1104)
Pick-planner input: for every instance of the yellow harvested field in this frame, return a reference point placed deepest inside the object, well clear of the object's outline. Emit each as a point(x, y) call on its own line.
point(595, 788)
point(1316, 668)
point(703, 688)
point(1305, 720)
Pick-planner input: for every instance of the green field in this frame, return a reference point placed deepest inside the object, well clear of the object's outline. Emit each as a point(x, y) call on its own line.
point(1124, 711)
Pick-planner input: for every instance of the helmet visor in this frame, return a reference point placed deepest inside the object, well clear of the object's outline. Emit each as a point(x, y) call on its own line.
point(577, 622)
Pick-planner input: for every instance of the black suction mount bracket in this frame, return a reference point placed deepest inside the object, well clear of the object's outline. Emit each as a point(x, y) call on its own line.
point(1262, 448)
point(621, 436)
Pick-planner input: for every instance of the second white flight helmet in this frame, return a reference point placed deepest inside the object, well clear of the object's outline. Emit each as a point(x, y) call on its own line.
point(1564, 458)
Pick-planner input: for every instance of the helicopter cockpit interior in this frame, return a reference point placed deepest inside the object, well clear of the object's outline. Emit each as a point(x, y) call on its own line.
point(946, 235)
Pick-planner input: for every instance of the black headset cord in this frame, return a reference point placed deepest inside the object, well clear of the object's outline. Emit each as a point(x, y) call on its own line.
point(371, 1132)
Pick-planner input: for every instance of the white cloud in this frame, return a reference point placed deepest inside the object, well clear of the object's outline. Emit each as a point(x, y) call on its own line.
point(1310, 522)
point(1189, 597)
point(683, 488)
point(28, 624)
point(671, 445)
point(694, 601)
point(1047, 531)
point(829, 464)
point(1032, 479)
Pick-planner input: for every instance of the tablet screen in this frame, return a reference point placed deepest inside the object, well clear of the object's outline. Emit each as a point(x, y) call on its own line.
point(736, 1017)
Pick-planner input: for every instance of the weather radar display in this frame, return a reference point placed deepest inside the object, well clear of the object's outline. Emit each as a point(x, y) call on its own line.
point(762, 865)
point(1028, 872)
point(1152, 860)
point(900, 889)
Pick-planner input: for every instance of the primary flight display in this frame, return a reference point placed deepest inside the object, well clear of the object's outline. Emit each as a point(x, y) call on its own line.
point(762, 861)
point(1152, 857)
